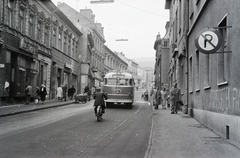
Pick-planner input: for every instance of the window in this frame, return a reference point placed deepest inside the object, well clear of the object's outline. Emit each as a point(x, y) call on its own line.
point(54, 37)
point(31, 26)
point(197, 2)
point(10, 13)
point(180, 15)
point(39, 31)
point(71, 53)
point(46, 35)
point(21, 22)
point(76, 50)
point(221, 57)
point(60, 40)
point(65, 44)
point(197, 76)
point(191, 10)
point(69, 45)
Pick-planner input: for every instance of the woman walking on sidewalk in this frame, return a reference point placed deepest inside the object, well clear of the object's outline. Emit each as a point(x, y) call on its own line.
point(164, 98)
point(158, 98)
point(28, 93)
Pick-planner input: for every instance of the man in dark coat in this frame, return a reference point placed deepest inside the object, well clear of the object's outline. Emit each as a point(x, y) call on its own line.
point(43, 93)
point(175, 97)
point(64, 92)
point(99, 100)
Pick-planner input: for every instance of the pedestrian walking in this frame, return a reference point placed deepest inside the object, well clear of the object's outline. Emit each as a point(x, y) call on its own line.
point(164, 96)
point(28, 93)
point(158, 98)
point(72, 90)
point(59, 92)
point(146, 95)
point(93, 90)
point(37, 97)
point(87, 90)
point(69, 93)
point(175, 97)
point(64, 93)
point(153, 96)
point(43, 93)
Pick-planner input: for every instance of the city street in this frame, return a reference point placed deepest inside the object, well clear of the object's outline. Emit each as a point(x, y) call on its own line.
point(73, 131)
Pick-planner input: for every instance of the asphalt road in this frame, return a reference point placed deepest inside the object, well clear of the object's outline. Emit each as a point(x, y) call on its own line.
point(73, 131)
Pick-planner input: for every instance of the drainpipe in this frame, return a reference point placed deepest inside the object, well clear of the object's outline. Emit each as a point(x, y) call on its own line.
point(186, 22)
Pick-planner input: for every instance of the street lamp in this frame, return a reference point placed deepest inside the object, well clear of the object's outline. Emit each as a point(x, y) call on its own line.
point(102, 1)
point(121, 39)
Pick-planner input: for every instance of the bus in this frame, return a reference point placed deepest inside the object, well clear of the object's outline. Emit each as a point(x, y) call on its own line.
point(119, 88)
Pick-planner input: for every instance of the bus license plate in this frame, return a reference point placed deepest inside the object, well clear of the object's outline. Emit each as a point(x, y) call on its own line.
point(118, 91)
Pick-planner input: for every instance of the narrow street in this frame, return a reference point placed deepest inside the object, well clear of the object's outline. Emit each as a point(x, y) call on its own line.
point(73, 131)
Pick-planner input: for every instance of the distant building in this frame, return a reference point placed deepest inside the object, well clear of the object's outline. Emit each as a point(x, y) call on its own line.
point(161, 70)
point(149, 78)
point(113, 61)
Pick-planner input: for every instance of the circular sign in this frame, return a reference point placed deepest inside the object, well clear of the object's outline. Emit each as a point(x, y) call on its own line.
point(208, 41)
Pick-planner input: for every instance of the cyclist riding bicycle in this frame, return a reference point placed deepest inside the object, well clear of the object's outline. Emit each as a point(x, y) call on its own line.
point(99, 97)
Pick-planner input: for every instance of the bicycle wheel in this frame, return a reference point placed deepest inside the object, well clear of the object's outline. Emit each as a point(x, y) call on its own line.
point(99, 113)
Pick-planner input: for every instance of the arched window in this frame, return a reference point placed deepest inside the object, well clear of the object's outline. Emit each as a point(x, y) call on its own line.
point(40, 27)
point(10, 19)
point(47, 32)
point(22, 16)
point(32, 21)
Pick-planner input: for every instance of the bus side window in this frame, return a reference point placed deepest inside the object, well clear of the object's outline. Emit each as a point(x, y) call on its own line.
point(105, 81)
point(131, 82)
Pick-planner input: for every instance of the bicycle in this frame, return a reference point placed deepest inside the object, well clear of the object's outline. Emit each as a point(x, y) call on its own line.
point(99, 113)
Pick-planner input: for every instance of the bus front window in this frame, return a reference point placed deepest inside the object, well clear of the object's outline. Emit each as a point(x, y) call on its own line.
point(111, 81)
point(124, 82)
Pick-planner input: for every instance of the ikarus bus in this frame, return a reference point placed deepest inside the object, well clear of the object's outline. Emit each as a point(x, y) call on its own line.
point(119, 87)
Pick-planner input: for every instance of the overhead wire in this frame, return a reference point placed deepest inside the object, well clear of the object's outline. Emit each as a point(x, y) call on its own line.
point(141, 9)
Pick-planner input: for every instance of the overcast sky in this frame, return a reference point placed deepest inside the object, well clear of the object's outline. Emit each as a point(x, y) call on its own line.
point(139, 21)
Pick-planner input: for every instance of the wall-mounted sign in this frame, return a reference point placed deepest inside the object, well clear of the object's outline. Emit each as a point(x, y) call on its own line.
point(208, 41)
point(68, 65)
point(28, 47)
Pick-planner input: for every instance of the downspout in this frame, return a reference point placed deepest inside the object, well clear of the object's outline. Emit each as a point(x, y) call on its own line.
point(187, 52)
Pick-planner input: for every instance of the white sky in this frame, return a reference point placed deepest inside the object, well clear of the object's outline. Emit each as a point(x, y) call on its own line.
point(139, 21)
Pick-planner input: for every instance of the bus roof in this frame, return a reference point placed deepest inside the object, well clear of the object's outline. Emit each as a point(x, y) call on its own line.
point(114, 74)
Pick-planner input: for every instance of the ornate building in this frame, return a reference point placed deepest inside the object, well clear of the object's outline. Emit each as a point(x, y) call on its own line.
point(38, 46)
point(85, 19)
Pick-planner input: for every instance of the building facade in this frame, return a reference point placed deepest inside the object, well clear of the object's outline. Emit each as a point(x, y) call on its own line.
point(161, 69)
point(66, 50)
point(208, 76)
point(86, 19)
point(113, 61)
point(39, 45)
point(25, 48)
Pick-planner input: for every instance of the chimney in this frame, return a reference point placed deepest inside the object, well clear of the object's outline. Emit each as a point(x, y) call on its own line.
point(58, 4)
point(158, 36)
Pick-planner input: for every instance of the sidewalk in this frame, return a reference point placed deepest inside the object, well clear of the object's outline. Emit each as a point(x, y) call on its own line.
point(22, 108)
point(180, 136)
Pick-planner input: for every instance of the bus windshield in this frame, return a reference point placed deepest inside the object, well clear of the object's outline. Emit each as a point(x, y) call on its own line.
point(119, 82)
